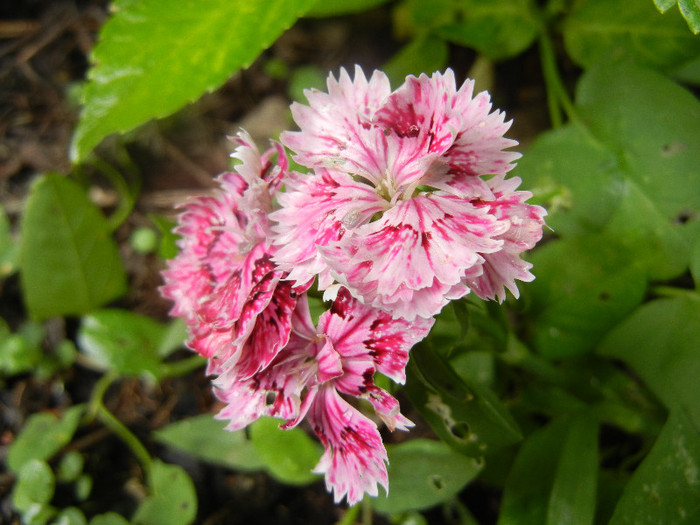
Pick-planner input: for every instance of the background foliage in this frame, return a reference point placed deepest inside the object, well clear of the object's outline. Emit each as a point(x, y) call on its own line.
point(576, 404)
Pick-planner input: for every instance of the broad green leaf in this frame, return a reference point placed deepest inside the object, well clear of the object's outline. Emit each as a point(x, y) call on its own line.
point(665, 487)
point(575, 304)
point(123, 341)
point(423, 473)
point(498, 29)
point(43, 435)
point(424, 54)
point(664, 5)
point(35, 485)
point(155, 56)
point(598, 29)
point(69, 262)
point(172, 501)
point(660, 343)
point(205, 437)
point(322, 8)
point(468, 417)
point(289, 455)
point(553, 480)
point(109, 518)
point(8, 247)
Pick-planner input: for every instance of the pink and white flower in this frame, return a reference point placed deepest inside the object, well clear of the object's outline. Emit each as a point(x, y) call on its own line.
point(223, 282)
point(310, 376)
point(407, 205)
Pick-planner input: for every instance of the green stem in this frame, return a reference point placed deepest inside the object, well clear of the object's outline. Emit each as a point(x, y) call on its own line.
point(97, 409)
point(673, 292)
point(366, 511)
point(183, 366)
point(350, 516)
point(557, 97)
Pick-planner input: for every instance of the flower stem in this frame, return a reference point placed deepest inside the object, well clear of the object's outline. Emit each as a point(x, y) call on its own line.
point(97, 409)
point(557, 97)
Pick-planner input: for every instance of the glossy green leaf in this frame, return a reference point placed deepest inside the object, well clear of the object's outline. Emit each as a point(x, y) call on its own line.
point(205, 437)
point(155, 56)
point(289, 455)
point(42, 436)
point(423, 473)
point(35, 486)
point(123, 341)
point(660, 343)
point(690, 9)
point(498, 29)
point(172, 499)
point(665, 486)
point(468, 417)
point(322, 8)
point(553, 479)
point(575, 304)
point(599, 29)
point(69, 262)
point(424, 54)
point(109, 518)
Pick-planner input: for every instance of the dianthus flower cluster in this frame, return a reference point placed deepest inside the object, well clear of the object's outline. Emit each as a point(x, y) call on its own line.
point(405, 206)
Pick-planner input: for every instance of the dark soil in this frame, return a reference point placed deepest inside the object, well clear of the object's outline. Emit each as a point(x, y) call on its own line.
point(44, 47)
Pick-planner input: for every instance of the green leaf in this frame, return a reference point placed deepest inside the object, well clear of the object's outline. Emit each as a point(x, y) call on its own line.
point(423, 473)
point(155, 56)
point(42, 436)
point(173, 500)
point(20, 352)
point(424, 54)
point(35, 485)
point(574, 305)
point(289, 455)
point(123, 341)
point(70, 467)
point(664, 488)
point(553, 479)
point(109, 518)
point(498, 29)
point(8, 247)
point(322, 8)
point(70, 516)
point(690, 9)
point(665, 5)
point(695, 263)
point(468, 417)
point(660, 343)
point(599, 29)
point(205, 437)
point(69, 262)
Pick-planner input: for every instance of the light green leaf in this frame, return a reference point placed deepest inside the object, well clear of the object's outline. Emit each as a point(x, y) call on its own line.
point(205, 437)
point(695, 263)
point(468, 417)
point(322, 8)
point(660, 343)
point(289, 455)
point(553, 479)
point(43, 435)
point(155, 56)
point(664, 5)
point(575, 304)
point(665, 487)
point(69, 262)
point(690, 9)
point(172, 501)
point(109, 518)
point(70, 516)
point(599, 29)
point(20, 352)
point(498, 29)
point(424, 54)
point(123, 341)
point(35, 485)
point(423, 473)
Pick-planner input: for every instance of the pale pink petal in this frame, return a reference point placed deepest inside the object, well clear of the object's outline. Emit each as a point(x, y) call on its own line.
point(354, 461)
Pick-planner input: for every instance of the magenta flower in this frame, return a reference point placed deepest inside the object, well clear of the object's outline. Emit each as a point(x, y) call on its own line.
point(407, 205)
point(223, 282)
point(307, 378)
